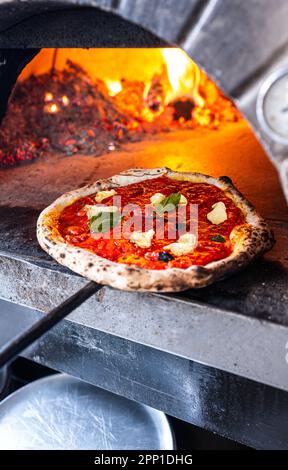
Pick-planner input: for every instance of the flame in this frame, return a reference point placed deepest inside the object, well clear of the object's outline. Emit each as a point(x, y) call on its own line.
point(159, 84)
point(184, 76)
point(179, 76)
point(114, 87)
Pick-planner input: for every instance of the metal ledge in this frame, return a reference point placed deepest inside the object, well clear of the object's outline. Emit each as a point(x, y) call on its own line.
point(249, 347)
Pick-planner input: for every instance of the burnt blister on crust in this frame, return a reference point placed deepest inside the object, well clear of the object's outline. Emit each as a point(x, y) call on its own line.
point(226, 179)
point(250, 240)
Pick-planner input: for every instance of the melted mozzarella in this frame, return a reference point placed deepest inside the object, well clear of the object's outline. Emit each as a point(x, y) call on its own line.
point(183, 200)
point(218, 215)
point(184, 245)
point(142, 239)
point(92, 211)
point(101, 195)
point(156, 199)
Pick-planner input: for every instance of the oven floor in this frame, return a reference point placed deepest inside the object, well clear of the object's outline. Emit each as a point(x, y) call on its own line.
point(231, 150)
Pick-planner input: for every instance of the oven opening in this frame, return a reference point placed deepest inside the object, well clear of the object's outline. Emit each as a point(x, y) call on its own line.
point(76, 115)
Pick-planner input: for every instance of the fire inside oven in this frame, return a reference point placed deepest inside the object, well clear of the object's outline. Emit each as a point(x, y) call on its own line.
point(90, 102)
point(76, 115)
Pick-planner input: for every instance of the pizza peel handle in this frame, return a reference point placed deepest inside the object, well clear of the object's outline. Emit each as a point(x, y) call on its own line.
point(25, 339)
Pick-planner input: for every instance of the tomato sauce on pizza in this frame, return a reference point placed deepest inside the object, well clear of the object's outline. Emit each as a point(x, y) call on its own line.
point(146, 249)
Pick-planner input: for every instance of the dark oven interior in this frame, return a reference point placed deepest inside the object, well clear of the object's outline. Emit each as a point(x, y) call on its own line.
point(80, 111)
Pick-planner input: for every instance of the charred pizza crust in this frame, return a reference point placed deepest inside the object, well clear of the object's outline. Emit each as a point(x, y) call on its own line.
point(249, 240)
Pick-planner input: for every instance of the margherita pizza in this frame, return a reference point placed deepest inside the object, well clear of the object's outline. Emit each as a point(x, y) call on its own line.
point(154, 230)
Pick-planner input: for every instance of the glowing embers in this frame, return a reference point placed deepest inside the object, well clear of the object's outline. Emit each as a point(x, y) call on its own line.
point(53, 105)
point(71, 110)
point(114, 87)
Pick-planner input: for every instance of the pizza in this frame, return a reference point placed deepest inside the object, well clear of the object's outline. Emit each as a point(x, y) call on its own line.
point(154, 230)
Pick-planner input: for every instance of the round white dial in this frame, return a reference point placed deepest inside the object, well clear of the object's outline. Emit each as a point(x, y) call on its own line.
point(275, 107)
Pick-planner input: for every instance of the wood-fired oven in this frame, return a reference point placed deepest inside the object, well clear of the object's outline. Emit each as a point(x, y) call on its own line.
point(91, 88)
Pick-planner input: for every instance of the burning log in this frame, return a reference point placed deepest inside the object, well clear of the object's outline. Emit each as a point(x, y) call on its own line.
point(182, 109)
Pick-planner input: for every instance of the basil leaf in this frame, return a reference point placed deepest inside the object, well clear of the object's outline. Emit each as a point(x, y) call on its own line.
point(104, 221)
point(169, 203)
point(218, 238)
